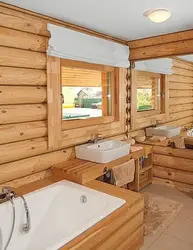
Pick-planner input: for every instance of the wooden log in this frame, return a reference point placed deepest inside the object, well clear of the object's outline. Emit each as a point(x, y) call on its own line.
point(22, 95)
point(22, 58)
point(26, 148)
point(180, 107)
point(173, 174)
point(180, 122)
point(155, 40)
point(179, 115)
point(180, 93)
point(176, 152)
point(182, 72)
point(162, 50)
point(22, 40)
point(180, 86)
point(27, 179)
point(25, 167)
point(22, 131)
point(180, 63)
point(174, 184)
point(173, 162)
point(22, 77)
point(181, 100)
point(180, 79)
point(18, 21)
point(22, 113)
point(23, 149)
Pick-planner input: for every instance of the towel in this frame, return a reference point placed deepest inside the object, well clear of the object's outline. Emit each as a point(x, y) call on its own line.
point(124, 173)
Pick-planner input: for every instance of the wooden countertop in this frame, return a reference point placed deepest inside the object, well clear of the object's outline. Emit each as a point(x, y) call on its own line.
point(81, 171)
point(188, 140)
point(107, 227)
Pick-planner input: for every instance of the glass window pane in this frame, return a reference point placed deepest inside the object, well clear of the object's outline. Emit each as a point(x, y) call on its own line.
point(86, 93)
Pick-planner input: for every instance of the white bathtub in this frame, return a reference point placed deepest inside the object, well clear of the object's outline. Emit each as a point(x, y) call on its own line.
point(57, 214)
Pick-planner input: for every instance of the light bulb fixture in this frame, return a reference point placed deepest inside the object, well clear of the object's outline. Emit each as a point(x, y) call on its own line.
point(158, 15)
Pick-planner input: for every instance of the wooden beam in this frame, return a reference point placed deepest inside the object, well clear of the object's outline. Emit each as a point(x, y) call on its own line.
point(164, 98)
point(133, 97)
point(162, 50)
point(54, 102)
point(163, 39)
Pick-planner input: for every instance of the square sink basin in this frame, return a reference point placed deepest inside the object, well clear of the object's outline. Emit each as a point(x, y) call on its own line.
point(167, 131)
point(103, 151)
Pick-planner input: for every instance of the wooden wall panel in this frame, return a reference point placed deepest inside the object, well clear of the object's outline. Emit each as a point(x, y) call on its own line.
point(22, 95)
point(22, 77)
point(36, 164)
point(22, 113)
point(173, 162)
point(24, 154)
point(173, 174)
point(22, 40)
point(22, 58)
point(22, 131)
point(17, 20)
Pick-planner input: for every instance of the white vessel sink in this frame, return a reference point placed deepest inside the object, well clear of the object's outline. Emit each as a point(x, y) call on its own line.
point(103, 151)
point(167, 131)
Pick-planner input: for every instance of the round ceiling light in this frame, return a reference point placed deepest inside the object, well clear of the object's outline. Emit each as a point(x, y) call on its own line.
point(158, 15)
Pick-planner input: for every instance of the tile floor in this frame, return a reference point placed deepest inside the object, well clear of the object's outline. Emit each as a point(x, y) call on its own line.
point(178, 234)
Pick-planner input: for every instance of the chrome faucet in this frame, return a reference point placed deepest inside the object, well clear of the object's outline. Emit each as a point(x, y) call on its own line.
point(95, 138)
point(6, 194)
point(155, 123)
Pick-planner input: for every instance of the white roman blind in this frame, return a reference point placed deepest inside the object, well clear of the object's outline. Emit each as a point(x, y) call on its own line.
point(70, 44)
point(161, 66)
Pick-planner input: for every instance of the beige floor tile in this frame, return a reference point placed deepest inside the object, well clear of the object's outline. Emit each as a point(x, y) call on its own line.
point(149, 240)
point(168, 192)
point(187, 212)
point(167, 242)
point(181, 228)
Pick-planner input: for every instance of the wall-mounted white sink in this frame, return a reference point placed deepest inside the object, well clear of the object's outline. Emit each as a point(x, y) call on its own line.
point(103, 151)
point(167, 131)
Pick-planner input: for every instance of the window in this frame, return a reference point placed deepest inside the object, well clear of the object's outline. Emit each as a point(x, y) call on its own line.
point(148, 92)
point(88, 91)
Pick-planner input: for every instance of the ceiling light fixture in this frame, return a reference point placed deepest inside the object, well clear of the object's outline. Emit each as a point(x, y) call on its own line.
point(158, 15)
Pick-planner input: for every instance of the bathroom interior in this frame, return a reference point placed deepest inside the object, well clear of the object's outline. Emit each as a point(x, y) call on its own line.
point(96, 125)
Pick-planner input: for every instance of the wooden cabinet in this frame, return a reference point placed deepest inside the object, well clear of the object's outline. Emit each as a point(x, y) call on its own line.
point(143, 171)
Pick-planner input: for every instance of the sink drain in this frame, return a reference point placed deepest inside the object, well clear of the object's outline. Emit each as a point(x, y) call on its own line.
point(83, 199)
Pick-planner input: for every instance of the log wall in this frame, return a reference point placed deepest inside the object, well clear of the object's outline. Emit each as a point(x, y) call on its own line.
point(24, 154)
point(173, 167)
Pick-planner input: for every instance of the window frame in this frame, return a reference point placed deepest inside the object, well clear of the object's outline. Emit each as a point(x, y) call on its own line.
point(63, 134)
point(144, 118)
point(92, 120)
